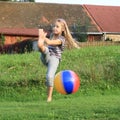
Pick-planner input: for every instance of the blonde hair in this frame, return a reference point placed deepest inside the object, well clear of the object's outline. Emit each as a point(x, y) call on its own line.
point(70, 42)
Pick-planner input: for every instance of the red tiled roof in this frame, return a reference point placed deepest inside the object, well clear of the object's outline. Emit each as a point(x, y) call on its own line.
point(24, 18)
point(31, 14)
point(106, 17)
point(19, 31)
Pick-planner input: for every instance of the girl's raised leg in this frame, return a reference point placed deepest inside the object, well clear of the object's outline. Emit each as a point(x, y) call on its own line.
point(41, 38)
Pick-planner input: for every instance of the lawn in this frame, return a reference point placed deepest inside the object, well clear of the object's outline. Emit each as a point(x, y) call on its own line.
point(97, 107)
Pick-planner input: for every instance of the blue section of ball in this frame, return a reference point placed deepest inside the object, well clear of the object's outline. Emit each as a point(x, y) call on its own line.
point(68, 82)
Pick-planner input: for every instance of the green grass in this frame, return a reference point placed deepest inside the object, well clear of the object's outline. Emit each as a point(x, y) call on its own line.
point(23, 92)
point(98, 107)
point(91, 64)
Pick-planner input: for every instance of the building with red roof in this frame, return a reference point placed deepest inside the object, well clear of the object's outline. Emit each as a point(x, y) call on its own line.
point(20, 21)
point(106, 19)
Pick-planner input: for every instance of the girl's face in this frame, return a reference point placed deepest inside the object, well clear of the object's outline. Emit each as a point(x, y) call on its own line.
point(57, 29)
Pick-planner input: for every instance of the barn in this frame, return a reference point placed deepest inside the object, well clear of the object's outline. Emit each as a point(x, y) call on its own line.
point(20, 21)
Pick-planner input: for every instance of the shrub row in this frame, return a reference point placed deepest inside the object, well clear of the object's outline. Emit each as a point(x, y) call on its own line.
point(19, 47)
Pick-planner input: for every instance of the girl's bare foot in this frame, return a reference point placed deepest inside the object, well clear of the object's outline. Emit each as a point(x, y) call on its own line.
point(49, 99)
point(49, 91)
point(41, 40)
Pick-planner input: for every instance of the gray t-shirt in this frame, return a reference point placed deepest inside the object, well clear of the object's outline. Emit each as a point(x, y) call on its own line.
point(58, 49)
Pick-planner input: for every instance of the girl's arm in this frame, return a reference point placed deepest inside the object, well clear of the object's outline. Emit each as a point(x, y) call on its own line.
point(53, 42)
point(42, 36)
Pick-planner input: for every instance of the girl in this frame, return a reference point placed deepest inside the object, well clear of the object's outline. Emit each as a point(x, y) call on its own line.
point(51, 54)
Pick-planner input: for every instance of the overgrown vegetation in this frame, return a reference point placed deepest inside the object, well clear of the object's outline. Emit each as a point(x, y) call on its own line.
point(80, 30)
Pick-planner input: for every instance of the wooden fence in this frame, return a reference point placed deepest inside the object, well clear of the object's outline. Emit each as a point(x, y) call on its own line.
point(98, 43)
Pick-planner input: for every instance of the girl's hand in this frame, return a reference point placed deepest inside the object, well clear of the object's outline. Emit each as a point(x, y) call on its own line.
point(42, 34)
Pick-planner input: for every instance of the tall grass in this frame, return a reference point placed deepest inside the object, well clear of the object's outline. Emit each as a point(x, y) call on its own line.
point(95, 64)
point(97, 67)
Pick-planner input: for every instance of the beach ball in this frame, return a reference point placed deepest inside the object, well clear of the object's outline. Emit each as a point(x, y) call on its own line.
point(66, 82)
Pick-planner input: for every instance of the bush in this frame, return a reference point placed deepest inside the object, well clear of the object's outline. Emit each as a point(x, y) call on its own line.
point(19, 47)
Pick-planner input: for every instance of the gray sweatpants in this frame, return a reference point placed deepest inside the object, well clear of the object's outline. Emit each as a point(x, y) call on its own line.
point(52, 63)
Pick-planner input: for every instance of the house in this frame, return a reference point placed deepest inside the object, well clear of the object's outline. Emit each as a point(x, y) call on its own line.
point(106, 19)
point(20, 21)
